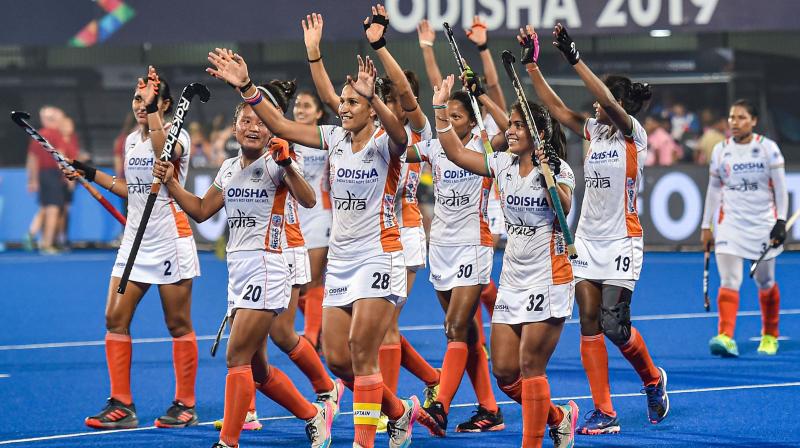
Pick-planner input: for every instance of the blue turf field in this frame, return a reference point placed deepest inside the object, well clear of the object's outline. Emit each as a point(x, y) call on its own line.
point(53, 373)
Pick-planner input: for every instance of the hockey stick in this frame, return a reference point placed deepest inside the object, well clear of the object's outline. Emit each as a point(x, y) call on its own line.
point(20, 118)
point(476, 109)
point(185, 101)
point(789, 225)
point(508, 63)
point(219, 335)
point(706, 258)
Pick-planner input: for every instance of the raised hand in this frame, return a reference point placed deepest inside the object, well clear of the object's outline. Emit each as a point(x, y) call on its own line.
point(312, 31)
point(472, 81)
point(477, 33)
point(529, 41)
point(228, 67)
point(425, 33)
point(442, 93)
point(148, 89)
point(565, 44)
point(375, 26)
point(280, 151)
point(365, 84)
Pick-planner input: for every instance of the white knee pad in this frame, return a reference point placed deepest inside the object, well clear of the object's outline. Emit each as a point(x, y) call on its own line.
point(730, 271)
point(765, 274)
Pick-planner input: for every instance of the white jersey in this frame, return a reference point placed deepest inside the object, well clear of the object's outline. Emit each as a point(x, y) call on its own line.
point(363, 191)
point(315, 172)
point(612, 170)
point(461, 198)
point(292, 231)
point(255, 197)
point(406, 205)
point(535, 254)
point(167, 221)
point(748, 197)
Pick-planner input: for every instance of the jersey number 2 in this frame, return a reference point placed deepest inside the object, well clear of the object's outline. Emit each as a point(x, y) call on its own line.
point(168, 266)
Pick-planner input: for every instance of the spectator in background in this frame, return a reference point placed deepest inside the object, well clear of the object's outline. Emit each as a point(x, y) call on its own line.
point(119, 145)
point(44, 177)
point(714, 129)
point(204, 155)
point(71, 146)
point(685, 128)
point(222, 138)
point(663, 150)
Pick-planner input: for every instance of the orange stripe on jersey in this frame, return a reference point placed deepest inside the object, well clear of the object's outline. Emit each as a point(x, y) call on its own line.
point(631, 173)
point(181, 222)
point(390, 236)
point(721, 212)
point(486, 234)
point(294, 236)
point(561, 268)
point(272, 240)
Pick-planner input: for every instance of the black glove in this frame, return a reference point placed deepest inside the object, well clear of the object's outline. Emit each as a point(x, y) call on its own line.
point(552, 159)
point(530, 49)
point(89, 172)
point(380, 19)
point(566, 45)
point(778, 233)
point(473, 82)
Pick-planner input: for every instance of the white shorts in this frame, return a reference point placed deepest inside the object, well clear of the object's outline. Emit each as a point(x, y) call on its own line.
point(298, 264)
point(414, 247)
point(536, 304)
point(316, 227)
point(453, 266)
point(380, 276)
point(163, 263)
point(258, 280)
point(497, 222)
point(731, 240)
point(599, 260)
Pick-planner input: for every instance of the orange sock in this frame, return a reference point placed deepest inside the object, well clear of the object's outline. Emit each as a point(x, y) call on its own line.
point(367, 397)
point(535, 405)
point(728, 304)
point(478, 319)
point(118, 359)
point(280, 389)
point(184, 361)
point(390, 404)
point(489, 296)
point(770, 300)
point(412, 361)
point(305, 357)
point(594, 358)
point(478, 370)
point(389, 361)
point(453, 365)
point(513, 390)
point(238, 394)
point(313, 314)
point(635, 351)
point(554, 415)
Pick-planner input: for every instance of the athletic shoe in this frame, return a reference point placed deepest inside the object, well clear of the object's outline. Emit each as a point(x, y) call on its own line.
point(768, 345)
point(431, 393)
point(722, 345)
point(251, 422)
point(28, 243)
point(116, 415)
point(318, 428)
point(434, 418)
point(178, 416)
point(400, 429)
point(598, 422)
point(383, 423)
point(222, 444)
point(657, 399)
point(563, 434)
point(483, 421)
point(333, 396)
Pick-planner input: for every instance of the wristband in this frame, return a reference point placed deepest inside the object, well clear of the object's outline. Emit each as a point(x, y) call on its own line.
point(89, 171)
point(113, 182)
point(285, 162)
point(255, 99)
point(311, 61)
point(246, 87)
point(425, 43)
point(483, 47)
point(152, 107)
point(378, 44)
point(449, 127)
point(440, 106)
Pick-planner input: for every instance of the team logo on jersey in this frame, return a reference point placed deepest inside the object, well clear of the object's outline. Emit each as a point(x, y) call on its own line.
point(228, 175)
point(140, 161)
point(275, 232)
point(291, 212)
point(526, 201)
point(520, 229)
point(337, 291)
point(559, 246)
point(748, 167)
point(257, 173)
point(138, 186)
point(357, 176)
point(457, 174)
point(454, 199)
point(604, 156)
point(501, 308)
point(349, 203)
point(755, 152)
point(630, 193)
point(239, 220)
point(597, 181)
point(410, 189)
point(246, 193)
point(580, 263)
point(369, 156)
point(389, 218)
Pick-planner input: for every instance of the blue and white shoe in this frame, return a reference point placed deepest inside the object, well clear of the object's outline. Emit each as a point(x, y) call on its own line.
point(598, 422)
point(723, 345)
point(657, 399)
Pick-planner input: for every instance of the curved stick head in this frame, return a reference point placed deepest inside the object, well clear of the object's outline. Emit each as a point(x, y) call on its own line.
point(447, 29)
point(19, 117)
point(200, 90)
point(508, 64)
point(508, 58)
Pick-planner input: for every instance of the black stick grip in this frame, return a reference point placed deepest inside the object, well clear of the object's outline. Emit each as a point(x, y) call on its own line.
point(137, 241)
